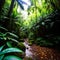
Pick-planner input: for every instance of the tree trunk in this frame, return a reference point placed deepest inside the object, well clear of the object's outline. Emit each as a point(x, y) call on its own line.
point(11, 8)
point(9, 20)
point(1, 4)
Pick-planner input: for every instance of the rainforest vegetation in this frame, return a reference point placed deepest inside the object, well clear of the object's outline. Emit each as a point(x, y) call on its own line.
point(37, 20)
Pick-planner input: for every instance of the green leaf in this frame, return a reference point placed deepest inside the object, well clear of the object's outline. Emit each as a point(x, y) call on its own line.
point(12, 57)
point(14, 40)
point(9, 50)
point(3, 28)
point(9, 44)
point(2, 34)
point(1, 57)
point(14, 35)
point(1, 48)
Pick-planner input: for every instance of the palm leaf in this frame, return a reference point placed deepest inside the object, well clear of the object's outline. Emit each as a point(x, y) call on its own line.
point(10, 50)
point(12, 57)
point(1, 57)
point(12, 34)
point(1, 48)
point(3, 28)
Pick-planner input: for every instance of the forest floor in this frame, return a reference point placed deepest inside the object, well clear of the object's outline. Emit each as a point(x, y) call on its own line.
point(35, 52)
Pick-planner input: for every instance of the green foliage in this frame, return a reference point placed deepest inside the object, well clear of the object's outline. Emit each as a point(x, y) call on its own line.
point(11, 57)
point(1, 48)
point(8, 39)
point(1, 57)
point(3, 28)
point(43, 42)
point(11, 34)
point(38, 25)
point(48, 29)
point(39, 21)
point(38, 8)
point(9, 50)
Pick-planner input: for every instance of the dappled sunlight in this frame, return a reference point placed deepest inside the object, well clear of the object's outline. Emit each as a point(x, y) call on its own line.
point(27, 5)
